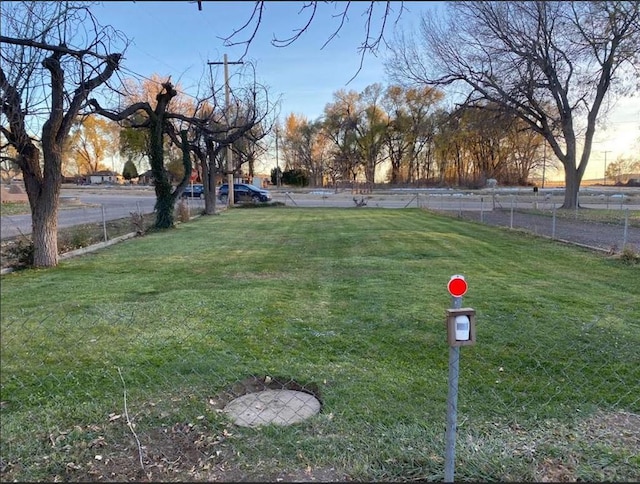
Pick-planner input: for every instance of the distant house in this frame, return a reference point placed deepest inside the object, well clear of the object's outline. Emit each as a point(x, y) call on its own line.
point(145, 178)
point(104, 176)
point(75, 179)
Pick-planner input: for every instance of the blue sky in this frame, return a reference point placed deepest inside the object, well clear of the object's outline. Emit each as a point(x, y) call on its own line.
point(175, 38)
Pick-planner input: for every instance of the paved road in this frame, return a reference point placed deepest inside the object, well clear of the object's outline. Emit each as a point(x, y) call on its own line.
point(97, 205)
point(100, 204)
point(94, 207)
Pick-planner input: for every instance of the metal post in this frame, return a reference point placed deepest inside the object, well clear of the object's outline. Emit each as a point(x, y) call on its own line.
point(626, 228)
point(452, 404)
point(104, 223)
point(481, 209)
point(277, 164)
point(553, 222)
point(511, 218)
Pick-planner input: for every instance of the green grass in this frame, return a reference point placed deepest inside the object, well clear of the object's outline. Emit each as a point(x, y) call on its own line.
point(14, 208)
point(352, 300)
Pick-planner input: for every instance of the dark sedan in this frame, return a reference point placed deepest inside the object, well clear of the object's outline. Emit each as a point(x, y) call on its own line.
point(243, 192)
point(193, 191)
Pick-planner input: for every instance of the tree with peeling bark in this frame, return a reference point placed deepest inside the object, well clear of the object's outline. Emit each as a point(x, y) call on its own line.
point(44, 85)
point(552, 64)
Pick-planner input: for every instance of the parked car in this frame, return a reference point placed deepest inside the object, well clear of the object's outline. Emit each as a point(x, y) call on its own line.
point(243, 192)
point(193, 191)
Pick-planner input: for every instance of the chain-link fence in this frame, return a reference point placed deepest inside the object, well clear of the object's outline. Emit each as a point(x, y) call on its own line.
point(99, 394)
point(610, 221)
point(73, 213)
point(605, 221)
point(116, 391)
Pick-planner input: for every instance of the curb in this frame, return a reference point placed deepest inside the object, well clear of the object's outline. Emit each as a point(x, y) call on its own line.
point(91, 248)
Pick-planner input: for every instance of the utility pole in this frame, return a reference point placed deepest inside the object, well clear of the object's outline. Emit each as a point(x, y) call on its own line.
point(230, 200)
point(604, 181)
point(277, 165)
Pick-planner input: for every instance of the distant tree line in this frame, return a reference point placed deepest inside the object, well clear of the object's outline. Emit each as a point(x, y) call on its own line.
point(405, 136)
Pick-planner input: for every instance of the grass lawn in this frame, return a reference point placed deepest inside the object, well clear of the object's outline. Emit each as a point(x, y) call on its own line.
point(14, 208)
point(126, 351)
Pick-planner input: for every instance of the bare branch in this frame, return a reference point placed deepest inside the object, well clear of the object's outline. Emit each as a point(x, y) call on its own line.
point(369, 44)
point(257, 10)
point(286, 42)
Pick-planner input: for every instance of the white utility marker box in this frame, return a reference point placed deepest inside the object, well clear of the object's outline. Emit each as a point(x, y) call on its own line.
point(461, 327)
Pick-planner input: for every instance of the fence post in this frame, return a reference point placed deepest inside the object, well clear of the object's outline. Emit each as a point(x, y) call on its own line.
point(481, 209)
point(511, 218)
point(553, 222)
point(104, 223)
point(626, 228)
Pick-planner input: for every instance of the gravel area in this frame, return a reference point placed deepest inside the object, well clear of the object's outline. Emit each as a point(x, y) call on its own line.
point(606, 237)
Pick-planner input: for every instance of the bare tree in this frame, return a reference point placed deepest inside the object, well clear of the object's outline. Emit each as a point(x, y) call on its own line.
point(205, 132)
point(44, 83)
point(241, 124)
point(8, 155)
point(156, 120)
point(552, 64)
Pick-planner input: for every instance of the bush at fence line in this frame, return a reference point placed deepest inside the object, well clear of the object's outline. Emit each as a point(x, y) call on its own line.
point(137, 221)
point(629, 255)
point(22, 252)
point(79, 237)
point(183, 211)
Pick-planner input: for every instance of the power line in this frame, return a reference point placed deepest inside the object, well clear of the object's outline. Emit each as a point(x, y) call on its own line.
point(142, 76)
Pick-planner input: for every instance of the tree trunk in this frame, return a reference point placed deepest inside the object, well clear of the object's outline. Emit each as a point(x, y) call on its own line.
point(44, 198)
point(209, 178)
point(572, 186)
point(44, 225)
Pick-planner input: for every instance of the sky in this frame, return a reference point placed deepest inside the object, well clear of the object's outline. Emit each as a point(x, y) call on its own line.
point(176, 38)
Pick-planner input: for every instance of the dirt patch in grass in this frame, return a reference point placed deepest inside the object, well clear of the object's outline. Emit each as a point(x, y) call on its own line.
point(617, 432)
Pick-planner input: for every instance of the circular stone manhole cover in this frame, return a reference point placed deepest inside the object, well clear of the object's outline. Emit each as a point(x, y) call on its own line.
point(280, 407)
